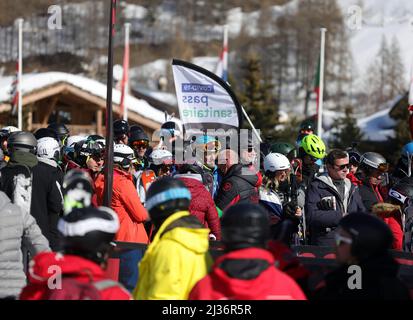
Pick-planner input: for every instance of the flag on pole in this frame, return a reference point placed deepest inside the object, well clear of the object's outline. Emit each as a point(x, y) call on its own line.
point(205, 101)
point(125, 77)
point(222, 67)
point(14, 91)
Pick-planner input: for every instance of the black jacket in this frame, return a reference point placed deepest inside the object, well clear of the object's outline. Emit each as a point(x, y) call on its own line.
point(322, 222)
point(379, 281)
point(368, 196)
point(236, 186)
point(34, 186)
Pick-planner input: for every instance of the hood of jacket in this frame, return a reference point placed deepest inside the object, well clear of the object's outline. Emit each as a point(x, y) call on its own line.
point(189, 176)
point(81, 268)
point(50, 162)
point(194, 239)
point(245, 273)
point(22, 158)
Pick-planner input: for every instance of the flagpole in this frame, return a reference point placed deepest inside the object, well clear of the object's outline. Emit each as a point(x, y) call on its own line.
point(108, 172)
point(19, 76)
point(252, 126)
point(321, 95)
point(225, 55)
point(125, 90)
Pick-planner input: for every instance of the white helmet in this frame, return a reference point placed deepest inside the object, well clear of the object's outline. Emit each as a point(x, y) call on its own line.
point(49, 148)
point(123, 155)
point(160, 156)
point(276, 162)
point(71, 140)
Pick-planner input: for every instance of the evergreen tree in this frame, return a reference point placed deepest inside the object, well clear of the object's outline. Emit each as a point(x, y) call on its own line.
point(348, 131)
point(256, 98)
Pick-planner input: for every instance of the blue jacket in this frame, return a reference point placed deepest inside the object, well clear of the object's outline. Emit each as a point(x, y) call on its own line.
point(321, 222)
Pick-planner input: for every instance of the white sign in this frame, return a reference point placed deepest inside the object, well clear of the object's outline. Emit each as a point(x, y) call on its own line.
point(203, 99)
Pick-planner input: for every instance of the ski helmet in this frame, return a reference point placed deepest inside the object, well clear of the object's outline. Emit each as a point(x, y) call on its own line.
point(88, 232)
point(138, 135)
point(354, 156)
point(120, 127)
point(170, 129)
point(165, 197)
point(282, 147)
point(307, 125)
point(160, 156)
point(373, 160)
point(46, 132)
point(123, 155)
point(371, 237)
point(48, 148)
point(23, 141)
point(408, 149)
point(69, 148)
point(77, 190)
point(276, 162)
point(245, 225)
point(61, 130)
point(313, 146)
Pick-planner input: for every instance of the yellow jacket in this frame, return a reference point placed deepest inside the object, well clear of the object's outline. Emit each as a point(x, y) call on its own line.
point(173, 263)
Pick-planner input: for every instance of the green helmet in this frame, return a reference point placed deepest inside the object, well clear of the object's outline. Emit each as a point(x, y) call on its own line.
point(282, 147)
point(313, 146)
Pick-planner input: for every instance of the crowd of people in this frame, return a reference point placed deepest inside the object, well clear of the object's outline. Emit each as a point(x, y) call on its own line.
point(177, 196)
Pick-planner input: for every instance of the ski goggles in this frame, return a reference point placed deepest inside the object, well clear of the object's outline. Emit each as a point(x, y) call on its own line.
point(340, 239)
point(143, 144)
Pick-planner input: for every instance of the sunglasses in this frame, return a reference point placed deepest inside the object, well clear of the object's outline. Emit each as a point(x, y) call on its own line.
point(140, 144)
point(213, 146)
point(340, 239)
point(343, 166)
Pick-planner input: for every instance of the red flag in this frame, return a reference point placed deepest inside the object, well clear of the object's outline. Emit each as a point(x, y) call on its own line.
point(125, 77)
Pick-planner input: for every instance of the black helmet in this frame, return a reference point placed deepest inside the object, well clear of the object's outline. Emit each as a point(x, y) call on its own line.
point(46, 133)
point(245, 225)
point(95, 137)
point(135, 127)
point(88, 232)
point(120, 127)
point(373, 160)
point(307, 125)
point(165, 197)
point(60, 129)
point(77, 190)
point(23, 141)
point(137, 135)
point(170, 128)
point(371, 237)
point(354, 156)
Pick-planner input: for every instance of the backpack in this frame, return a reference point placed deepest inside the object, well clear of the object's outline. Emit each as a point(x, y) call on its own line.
point(75, 290)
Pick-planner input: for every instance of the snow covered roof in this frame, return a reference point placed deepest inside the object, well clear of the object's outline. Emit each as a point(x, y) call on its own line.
point(36, 81)
point(379, 126)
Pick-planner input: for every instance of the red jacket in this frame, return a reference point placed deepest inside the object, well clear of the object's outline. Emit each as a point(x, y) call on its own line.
point(202, 206)
point(126, 203)
point(269, 284)
point(80, 269)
